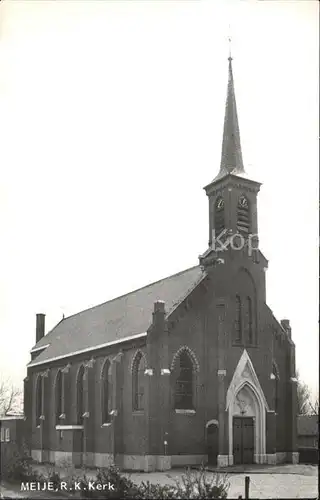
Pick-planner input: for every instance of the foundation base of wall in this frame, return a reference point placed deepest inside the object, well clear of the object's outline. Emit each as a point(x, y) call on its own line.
point(146, 463)
point(293, 457)
point(149, 463)
point(36, 455)
point(163, 462)
point(271, 458)
point(103, 459)
point(224, 460)
point(281, 457)
point(63, 458)
point(184, 460)
point(40, 456)
point(260, 459)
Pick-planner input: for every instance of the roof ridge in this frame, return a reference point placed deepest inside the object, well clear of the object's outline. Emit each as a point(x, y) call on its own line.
point(125, 294)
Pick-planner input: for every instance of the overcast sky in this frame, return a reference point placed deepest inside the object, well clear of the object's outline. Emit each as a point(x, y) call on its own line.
point(111, 117)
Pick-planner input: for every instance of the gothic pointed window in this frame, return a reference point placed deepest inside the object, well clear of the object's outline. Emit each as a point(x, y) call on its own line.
point(39, 400)
point(219, 224)
point(138, 382)
point(106, 392)
point(184, 383)
point(80, 396)
point(58, 395)
point(238, 320)
point(243, 216)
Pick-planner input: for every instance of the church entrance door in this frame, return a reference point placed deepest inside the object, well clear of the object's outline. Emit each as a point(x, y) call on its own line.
point(212, 443)
point(243, 440)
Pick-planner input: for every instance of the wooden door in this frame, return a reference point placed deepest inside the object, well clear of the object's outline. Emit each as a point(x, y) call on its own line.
point(243, 440)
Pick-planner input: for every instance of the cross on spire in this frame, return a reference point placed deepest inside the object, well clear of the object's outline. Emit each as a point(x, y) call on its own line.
point(230, 44)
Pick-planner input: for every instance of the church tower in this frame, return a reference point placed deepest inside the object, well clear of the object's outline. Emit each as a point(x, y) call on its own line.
point(232, 195)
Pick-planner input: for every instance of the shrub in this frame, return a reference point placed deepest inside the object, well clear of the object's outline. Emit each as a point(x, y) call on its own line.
point(120, 485)
point(17, 466)
point(53, 476)
point(154, 491)
point(123, 486)
point(202, 484)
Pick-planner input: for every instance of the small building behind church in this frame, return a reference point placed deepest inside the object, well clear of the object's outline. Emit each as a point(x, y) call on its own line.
point(194, 368)
point(12, 437)
point(308, 438)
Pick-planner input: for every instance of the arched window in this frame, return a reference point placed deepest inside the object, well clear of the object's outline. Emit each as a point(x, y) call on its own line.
point(219, 224)
point(106, 392)
point(58, 395)
point(249, 319)
point(80, 396)
point(39, 402)
point(238, 321)
point(138, 382)
point(184, 383)
point(243, 216)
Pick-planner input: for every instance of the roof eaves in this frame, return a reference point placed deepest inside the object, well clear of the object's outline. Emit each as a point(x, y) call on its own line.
point(88, 349)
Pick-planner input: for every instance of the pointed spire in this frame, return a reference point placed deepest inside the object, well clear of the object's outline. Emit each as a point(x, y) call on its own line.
point(231, 157)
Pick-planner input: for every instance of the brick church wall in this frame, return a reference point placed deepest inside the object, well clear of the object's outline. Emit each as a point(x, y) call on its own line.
point(194, 324)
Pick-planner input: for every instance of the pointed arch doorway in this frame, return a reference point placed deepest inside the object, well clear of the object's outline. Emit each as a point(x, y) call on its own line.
point(245, 414)
point(247, 406)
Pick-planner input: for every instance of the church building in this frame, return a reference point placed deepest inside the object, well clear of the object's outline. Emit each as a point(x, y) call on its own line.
point(191, 369)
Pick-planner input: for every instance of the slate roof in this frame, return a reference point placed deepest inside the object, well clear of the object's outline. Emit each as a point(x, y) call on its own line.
point(116, 319)
point(231, 157)
point(308, 425)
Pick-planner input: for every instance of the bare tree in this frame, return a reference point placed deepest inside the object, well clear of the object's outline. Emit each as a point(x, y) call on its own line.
point(314, 407)
point(10, 398)
point(306, 405)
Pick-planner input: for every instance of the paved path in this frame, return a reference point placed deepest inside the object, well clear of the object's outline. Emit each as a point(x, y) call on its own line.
point(261, 485)
point(302, 469)
point(275, 486)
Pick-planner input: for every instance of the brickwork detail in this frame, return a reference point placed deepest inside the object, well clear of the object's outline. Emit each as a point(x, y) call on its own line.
point(195, 362)
point(138, 352)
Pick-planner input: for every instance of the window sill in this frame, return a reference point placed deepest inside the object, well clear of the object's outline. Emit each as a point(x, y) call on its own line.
point(243, 344)
point(185, 412)
point(138, 412)
point(107, 424)
point(69, 427)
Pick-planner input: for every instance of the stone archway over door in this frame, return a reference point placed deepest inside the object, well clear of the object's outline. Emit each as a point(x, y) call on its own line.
point(245, 398)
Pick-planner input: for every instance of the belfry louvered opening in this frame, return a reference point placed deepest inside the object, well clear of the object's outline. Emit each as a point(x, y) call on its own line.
point(219, 224)
point(243, 216)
